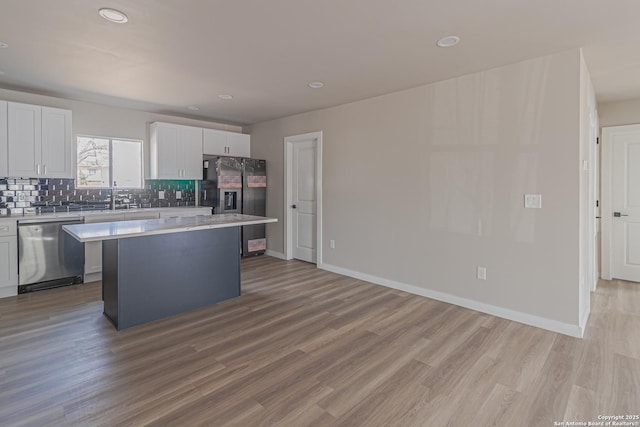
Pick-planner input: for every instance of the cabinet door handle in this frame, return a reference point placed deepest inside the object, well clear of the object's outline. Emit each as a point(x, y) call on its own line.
point(38, 169)
point(45, 169)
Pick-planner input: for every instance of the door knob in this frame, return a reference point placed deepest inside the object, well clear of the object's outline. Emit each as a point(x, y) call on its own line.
point(618, 214)
point(293, 206)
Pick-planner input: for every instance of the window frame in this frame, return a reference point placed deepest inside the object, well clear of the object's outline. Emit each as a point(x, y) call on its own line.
point(111, 186)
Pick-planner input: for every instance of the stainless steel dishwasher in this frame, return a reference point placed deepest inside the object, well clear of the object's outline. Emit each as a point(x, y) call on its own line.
point(48, 257)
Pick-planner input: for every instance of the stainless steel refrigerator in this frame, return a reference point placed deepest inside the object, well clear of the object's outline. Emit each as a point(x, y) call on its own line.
point(237, 185)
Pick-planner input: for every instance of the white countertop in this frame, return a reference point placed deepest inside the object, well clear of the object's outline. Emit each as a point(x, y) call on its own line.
point(76, 213)
point(89, 213)
point(122, 229)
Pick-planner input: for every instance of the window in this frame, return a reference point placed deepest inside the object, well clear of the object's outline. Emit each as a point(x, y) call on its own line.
point(109, 162)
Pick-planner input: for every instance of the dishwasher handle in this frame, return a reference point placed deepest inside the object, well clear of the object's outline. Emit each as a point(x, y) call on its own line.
point(72, 220)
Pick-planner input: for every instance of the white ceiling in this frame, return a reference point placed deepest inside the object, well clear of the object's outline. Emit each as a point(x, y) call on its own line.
point(176, 53)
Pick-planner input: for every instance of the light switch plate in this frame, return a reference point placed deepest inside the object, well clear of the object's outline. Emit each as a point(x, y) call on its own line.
point(533, 201)
point(178, 195)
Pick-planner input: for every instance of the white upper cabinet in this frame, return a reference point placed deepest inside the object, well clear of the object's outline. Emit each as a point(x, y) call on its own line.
point(223, 143)
point(163, 149)
point(239, 144)
point(58, 159)
point(214, 142)
point(25, 140)
point(39, 142)
point(191, 149)
point(175, 152)
point(4, 150)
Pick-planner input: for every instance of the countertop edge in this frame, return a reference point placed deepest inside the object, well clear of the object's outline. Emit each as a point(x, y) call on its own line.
point(107, 212)
point(167, 230)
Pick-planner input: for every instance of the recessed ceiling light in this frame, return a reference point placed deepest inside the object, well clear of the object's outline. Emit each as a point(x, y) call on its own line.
point(3, 45)
point(192, 108)
point(316, 85)
point(448, 41)
point(225, 96)
point(113, 15)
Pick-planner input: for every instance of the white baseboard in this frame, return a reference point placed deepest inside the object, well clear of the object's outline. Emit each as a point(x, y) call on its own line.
point(275, 254)
point(9, 291)
point(92, 277)
point(517, 316)
point(583, 322)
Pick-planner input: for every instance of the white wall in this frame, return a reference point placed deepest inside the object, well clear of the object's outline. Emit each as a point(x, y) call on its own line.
point(421, 186)
point(619, 113)
point(101, 120)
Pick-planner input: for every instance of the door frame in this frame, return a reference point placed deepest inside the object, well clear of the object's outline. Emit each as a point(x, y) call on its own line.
point(288, 191)
point(607, 195)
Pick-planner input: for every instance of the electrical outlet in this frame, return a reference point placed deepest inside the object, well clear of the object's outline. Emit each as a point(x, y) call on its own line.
point(482, 273)
point(332, 244)
point(533, 201)
point(160, 194)
point(178, 195)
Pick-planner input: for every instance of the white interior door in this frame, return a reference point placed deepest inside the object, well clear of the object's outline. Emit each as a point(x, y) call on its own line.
point(625, 202)
point(303, 201)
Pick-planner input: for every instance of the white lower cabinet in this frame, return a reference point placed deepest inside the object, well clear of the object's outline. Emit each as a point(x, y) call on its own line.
point(8, 266)
point(93, 250)
point(92, 257)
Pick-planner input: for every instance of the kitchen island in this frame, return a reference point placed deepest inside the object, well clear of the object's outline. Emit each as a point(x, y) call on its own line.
point(157, 268)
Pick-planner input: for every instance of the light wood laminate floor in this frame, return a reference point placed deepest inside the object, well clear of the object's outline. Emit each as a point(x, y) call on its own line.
point(305, 347)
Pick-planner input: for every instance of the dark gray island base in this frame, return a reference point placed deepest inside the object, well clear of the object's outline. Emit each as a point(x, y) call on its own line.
point(151, 277)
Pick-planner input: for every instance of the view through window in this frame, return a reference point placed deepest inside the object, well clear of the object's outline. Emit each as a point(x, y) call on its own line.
point(109, 162)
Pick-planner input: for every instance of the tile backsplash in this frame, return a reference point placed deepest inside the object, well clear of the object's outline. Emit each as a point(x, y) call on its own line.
point(32, 195)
